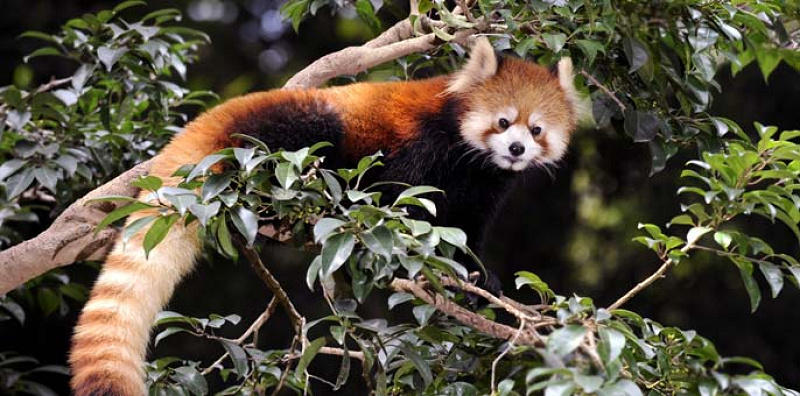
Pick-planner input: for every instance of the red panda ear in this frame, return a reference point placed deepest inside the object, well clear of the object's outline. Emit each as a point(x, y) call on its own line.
point(481, 66)
point(566, 77)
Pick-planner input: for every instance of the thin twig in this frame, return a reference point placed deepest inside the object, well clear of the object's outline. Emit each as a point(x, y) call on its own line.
point(604, 89)
point(254, 327)
point(286, 370)
point(649, 280)
point(503, 354)
point(274, 286)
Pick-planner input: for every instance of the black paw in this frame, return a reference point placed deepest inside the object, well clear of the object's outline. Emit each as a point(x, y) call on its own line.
point(489, 282)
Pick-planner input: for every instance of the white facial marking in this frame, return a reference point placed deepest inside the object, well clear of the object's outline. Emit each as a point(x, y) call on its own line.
point(557, 144)
point(476, 124)
point(510, 113)
point(500, 144)
point(473, 127)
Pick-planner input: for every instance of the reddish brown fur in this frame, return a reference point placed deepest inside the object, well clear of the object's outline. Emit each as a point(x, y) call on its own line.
point(546, 98)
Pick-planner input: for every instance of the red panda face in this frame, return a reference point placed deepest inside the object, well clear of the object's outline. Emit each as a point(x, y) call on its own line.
point(518, 113)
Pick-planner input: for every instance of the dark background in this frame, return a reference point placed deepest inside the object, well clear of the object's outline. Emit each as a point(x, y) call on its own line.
point(574, 230)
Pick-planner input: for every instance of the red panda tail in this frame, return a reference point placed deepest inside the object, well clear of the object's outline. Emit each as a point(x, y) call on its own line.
point(110, 341)
point(111, 338)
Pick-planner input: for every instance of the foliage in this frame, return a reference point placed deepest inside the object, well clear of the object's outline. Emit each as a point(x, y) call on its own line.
point(117, 109)
point(653, 68)
point(744, 179)
point(24, 374)
point(578, 347)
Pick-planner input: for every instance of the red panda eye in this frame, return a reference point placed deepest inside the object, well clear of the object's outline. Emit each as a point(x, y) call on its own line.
point(536, 130)
point(503, 123)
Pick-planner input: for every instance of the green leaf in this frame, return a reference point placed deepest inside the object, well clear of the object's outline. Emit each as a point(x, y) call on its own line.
point(325, 227)
point(367, 14)
point(168, 332)
point(246, 222)
point(768, 59)
point(774, 276)
point(48, 300)
point(642, 126)
point(336, 251)
point(134, 227)
point(47, 177)
point(564, 340)
point(590, 49)
point(238, 357)
point(695, 233)
point(157, 232)
point(623, 387)
point(422, 313)
point(204, 213)
point(109, 56)
point(40, 35)
point(453, 236)
point(286, 174)
point(379, 240)
point(398, 298)
point(150, 183)
point(723, 239)
point(313, 272)
point(416, 359)
point(224, 239)
point(414, 191)
point(44, 51)
point(746, 272)
point(202, 167)
point(559, 389)
point(636, 52)
point(190, 378)
point(611, 344)
point(127, 4)
point(18, 119)
point(308, 355)
point(554, 41)
point(589, 383)
point(8, 168)
point(214, 185)
point(122, 212)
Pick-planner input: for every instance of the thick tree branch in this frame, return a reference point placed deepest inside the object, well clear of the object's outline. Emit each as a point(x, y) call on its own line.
point(465, 316)
point(353, 60)
point(70, 238)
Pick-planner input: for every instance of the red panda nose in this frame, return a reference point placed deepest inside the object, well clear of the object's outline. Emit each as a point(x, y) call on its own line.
point(516, 149)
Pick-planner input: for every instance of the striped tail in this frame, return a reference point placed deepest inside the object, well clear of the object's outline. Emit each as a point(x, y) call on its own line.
point(110, 342)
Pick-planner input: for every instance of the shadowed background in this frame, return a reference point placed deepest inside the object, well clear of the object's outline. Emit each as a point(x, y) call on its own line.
point(573, 229)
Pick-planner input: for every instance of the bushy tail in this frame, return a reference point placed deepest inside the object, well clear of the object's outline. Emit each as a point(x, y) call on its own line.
point(110, 341)
point(111, 338)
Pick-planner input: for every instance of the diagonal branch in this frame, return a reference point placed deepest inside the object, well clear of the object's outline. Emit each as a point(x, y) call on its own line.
point(71, 237)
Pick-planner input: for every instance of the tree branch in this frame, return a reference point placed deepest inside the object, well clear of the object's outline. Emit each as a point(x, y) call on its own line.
point(649, 280)
point(274, 286)
point(464, 315)
point(71, 237)
point(392, 44)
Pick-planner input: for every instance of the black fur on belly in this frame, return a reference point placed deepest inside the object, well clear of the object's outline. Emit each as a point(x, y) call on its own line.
point(474, 186)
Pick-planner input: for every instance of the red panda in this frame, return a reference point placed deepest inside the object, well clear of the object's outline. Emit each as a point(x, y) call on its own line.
point(468, 133)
